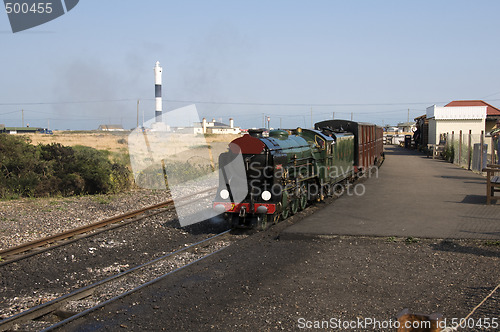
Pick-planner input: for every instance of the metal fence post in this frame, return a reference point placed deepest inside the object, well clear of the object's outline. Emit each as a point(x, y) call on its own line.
point(481, 151)
point(469, 151)
point(453, 146)
point(493, 150)
point(460, 148)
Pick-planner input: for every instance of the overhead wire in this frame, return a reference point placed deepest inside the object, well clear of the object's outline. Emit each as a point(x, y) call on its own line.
point(230, 102)
point(216, 114)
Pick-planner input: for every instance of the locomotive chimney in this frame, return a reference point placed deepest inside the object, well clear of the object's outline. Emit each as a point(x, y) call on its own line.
point(256, 132)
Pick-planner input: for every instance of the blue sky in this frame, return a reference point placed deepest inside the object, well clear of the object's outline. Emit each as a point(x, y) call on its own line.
point(375, 59)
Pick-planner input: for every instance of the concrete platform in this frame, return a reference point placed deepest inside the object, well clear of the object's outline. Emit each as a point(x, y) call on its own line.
point(411, 196)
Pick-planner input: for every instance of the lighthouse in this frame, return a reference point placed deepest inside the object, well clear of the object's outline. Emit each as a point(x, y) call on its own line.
point(158, 101)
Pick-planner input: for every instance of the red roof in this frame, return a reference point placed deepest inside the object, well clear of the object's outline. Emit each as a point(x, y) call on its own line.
point(490, 110)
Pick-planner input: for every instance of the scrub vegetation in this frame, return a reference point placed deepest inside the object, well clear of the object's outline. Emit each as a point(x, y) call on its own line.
point(52, 169)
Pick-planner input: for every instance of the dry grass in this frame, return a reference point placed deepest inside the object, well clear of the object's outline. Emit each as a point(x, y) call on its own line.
point(101, 141)
point(114, 142)
point(221, 138)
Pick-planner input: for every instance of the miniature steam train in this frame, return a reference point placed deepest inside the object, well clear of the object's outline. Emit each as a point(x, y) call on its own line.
point(265, 179)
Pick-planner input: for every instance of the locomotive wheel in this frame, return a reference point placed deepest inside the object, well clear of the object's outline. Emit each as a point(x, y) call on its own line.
point(284, 213)
point(331, 190)
point(294, 206)
point(303, 202)
point(262, 222)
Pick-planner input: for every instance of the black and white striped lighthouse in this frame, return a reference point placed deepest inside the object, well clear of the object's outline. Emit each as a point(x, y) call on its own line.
point(158, 101)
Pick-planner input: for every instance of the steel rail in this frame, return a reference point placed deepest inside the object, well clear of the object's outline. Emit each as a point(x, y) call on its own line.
point(53, 305)
point(36, 244)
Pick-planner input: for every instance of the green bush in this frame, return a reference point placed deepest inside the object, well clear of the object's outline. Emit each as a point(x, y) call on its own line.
point(185, 171)
point(20, 167)
point(174, 173)
point(120, 177)
point(449, 153)
point(53, 169)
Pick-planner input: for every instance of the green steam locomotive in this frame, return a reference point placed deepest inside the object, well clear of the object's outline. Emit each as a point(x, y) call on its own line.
point(266, 179)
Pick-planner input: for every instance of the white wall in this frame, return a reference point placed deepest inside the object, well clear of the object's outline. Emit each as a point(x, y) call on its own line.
point(444, 120)
point(225, 130)
point(456, 113)
point(437, 127)
point(220, 131)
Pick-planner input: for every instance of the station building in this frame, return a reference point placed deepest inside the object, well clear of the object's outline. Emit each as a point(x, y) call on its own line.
point(492, 113)
point(445, 119)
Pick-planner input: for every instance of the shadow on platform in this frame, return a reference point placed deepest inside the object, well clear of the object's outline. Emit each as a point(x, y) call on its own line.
point(452, 246)
point(396, 150)
point(474, 178)
point(473, 199)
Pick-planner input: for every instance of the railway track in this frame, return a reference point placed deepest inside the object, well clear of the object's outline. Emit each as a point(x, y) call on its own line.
point(28, 249)
point(60, 311)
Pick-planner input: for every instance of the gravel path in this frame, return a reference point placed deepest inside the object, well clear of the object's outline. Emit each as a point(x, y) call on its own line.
point(26, 220)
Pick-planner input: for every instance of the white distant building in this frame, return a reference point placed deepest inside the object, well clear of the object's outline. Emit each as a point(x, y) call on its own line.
point(111, 128)
point(215, 127)
point(444, 120)
point(406, 127)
